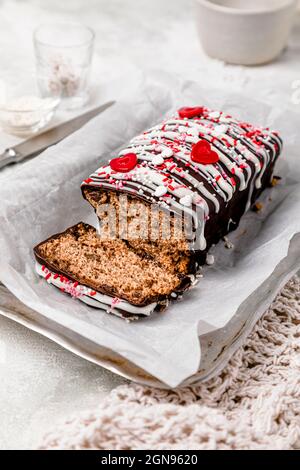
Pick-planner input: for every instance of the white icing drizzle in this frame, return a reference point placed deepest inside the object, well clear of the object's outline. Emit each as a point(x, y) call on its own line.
point(164, 161)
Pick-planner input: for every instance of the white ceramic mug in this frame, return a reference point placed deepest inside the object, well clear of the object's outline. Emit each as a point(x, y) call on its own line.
point(245, 32)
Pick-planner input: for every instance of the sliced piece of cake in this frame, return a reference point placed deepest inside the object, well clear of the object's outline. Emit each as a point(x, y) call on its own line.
point(105, 271)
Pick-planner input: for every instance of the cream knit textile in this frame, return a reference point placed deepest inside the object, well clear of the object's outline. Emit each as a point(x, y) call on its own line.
point(253, 404)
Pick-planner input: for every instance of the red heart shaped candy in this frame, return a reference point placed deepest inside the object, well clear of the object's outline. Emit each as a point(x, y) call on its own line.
point(202, 153)
point(124, 164)
point(190, 112)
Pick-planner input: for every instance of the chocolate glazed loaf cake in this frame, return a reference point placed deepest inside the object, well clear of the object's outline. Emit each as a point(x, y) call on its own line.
point(171, 194)
point(200, 163)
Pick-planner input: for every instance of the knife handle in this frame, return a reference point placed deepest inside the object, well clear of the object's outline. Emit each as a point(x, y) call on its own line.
point(9, 156)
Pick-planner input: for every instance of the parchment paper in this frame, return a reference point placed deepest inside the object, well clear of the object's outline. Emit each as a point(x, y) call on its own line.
point(42, 197)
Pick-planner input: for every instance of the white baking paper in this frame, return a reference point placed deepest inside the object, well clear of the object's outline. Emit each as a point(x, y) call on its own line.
point(42, 196)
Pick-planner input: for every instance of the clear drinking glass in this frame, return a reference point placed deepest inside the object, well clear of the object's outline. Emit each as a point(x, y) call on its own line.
point(63, 61)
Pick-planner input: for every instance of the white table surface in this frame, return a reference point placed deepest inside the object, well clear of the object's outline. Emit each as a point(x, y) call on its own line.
point(40, 381)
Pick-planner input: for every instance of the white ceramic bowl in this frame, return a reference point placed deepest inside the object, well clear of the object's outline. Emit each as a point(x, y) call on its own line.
point(245, 32)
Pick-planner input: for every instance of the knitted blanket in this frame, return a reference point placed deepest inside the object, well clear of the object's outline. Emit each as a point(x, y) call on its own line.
point(254, 403)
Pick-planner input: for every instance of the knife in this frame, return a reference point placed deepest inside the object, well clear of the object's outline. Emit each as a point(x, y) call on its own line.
point(36, 144)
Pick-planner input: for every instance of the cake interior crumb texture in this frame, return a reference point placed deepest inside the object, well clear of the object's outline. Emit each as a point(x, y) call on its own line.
point(172, 252)
point(108, 266)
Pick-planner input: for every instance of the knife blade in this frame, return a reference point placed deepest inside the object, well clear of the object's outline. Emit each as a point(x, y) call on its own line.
point(40, 142)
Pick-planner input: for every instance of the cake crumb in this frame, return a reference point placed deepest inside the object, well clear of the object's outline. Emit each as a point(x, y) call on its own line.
point(258, 207)
point(275, 181)
point(228, 244)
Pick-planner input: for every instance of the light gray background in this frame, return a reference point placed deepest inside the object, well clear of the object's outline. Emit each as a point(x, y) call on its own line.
point(40, 381)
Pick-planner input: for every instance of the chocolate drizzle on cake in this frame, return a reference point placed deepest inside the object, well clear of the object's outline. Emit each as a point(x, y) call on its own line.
point(200, 163)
